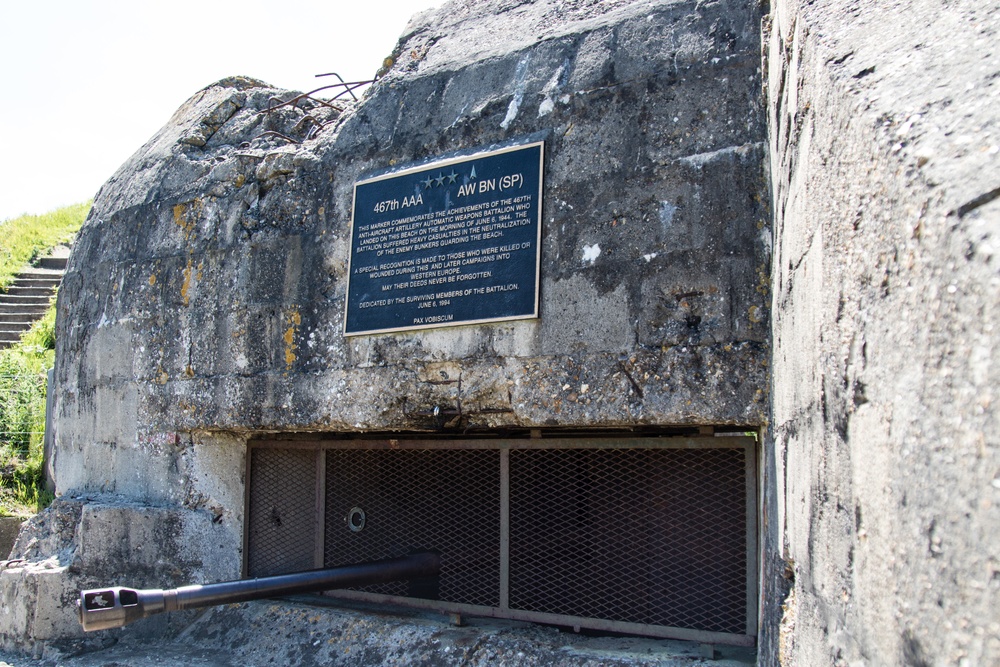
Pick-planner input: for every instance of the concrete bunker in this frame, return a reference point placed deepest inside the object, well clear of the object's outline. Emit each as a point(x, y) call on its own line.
point(201, 328)
point(203, 363)
point(203, 370)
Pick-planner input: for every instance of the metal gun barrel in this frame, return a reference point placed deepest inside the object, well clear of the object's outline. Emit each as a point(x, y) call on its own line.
point(113, 607)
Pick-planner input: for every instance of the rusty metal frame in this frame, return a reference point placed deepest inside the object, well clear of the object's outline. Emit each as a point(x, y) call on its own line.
point(503, 611)
point(247, 476)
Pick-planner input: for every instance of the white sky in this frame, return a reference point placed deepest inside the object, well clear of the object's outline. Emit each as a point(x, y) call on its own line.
point(86, 82)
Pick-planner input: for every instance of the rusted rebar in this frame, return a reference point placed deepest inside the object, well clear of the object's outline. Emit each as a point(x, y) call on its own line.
point(295, 100)
point(281, 136)
point(275, 103)
point(304, 119)
point(351, 90)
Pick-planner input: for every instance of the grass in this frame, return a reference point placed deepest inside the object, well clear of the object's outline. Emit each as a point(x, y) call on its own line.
point(23, 367)
point(23, 389)
point(24, 239)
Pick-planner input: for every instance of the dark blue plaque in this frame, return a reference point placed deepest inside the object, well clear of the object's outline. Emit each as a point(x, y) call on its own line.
point(448, 243)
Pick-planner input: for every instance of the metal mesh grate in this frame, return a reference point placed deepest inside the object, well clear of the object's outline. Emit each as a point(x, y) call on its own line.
point(443, 500)
point(651, 536)
point(281, 523)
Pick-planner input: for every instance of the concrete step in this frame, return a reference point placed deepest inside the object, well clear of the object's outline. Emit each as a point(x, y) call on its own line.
point(26, 298)
point(8, 338)
point(47, 274)
point(19, 300)
point(30, 296)
point(45, 286)
point(15, 325)
point(21, 289)
point(53, 263)
point(44, 276)
point(19, 316)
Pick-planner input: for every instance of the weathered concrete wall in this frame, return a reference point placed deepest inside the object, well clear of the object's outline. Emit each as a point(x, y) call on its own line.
point(204, 299)
point(884, 142)
point(226, 262)
point(88, 542)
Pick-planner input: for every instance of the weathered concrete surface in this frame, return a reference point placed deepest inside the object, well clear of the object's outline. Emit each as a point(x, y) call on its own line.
point(174, 518)
point(289, 633)
point(83, 543)
point(204, 299)
point(206, 290)
point(884, 156)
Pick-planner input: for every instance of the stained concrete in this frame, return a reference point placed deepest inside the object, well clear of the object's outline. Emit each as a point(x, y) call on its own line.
point(884, 161)
point(226, 257)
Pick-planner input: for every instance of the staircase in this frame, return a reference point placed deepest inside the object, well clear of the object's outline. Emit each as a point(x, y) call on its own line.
point(28, 297)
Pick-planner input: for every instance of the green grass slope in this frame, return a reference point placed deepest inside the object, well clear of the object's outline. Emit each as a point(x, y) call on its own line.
point(23, 367)
point(24, 239)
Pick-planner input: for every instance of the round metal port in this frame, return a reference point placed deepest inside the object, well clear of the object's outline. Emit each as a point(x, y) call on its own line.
point(356, 519)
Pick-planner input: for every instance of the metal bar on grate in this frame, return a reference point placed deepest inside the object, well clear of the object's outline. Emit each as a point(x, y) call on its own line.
point(505, 527)
point(752, 545)
point(320, 523)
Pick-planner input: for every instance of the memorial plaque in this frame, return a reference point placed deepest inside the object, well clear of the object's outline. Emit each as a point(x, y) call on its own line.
point(448, 243)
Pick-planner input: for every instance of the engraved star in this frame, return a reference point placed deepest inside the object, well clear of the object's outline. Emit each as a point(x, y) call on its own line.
point(452, 176)
point(439, 181)
point(473, 174)
point(428, 182)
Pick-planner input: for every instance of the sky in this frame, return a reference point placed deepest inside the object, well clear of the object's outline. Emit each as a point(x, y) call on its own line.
point(85, 83)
